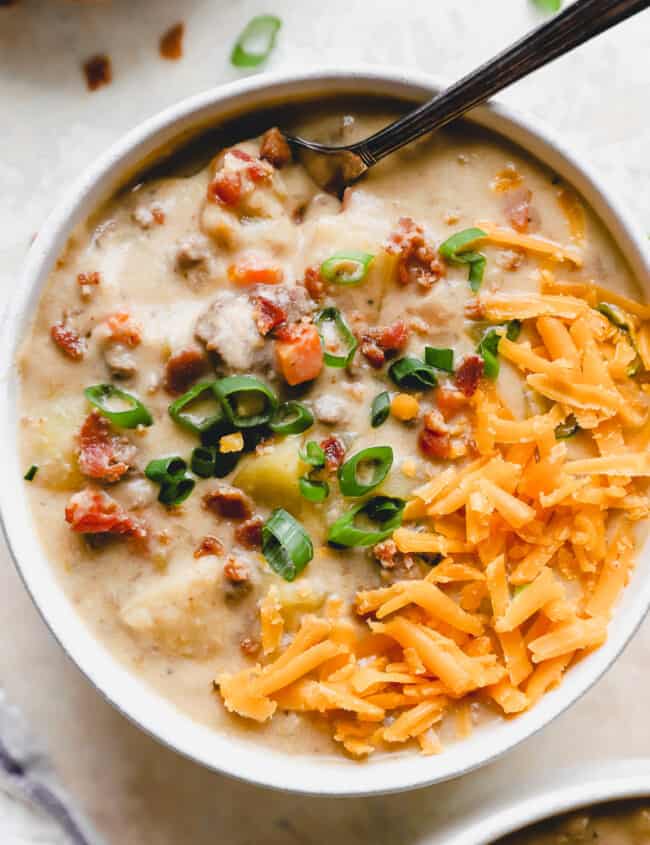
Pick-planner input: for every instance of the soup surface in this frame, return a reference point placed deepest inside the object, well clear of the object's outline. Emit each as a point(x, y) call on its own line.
point(210, 361)
point(623, 823)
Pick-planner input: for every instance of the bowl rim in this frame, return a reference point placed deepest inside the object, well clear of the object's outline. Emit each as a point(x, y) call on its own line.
point(317, 775)
point(577, 789)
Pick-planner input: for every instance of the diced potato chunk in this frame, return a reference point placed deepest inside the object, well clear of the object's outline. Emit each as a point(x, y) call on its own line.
point(272, 478)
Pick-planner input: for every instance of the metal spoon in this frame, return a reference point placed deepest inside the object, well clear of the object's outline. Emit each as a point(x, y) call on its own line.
point(578, 23)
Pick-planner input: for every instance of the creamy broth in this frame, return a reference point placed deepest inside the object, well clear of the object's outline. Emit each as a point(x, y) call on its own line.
point(624, 823)
point(164, 255)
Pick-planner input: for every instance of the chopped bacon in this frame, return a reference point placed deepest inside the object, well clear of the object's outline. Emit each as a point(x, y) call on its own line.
point(314, 283)
point(434, 440)
point(381, 342)
point(158, 214)
point(228, 502)
point(510, 259)
point(274, 148)
point(268, 315)
point(249, 533)
point(235, 571)
point(255, 271)
point(418, 260)
point(68, 341)
point(450, 401)
point(469, 374)
point(257, 171)
point(250, 646)
point(475, 310)
point(102, 453)
point(518, 209)
point(209, 545)
point(89, 279)
point(98, 71)
point(122, 328)
point(225, 188)
point(334, 452)
point(298, 352)
point(386, 553)
point(183, 368)
point(92, 511)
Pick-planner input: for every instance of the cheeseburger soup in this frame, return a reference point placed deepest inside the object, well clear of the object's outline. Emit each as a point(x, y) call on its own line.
point(345, 473)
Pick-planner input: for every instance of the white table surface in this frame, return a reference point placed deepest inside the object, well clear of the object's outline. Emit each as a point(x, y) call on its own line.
point(134, 790)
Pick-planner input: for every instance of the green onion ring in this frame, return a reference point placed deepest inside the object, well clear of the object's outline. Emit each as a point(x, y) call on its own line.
point(488, 348)
point(179, 411)
point(313, 490)
point(413, 374)
point(455, 251)
point(209, 462)
point(262, 28)
point(313, 455)
point(567, 429)
point(385, 510)
point(346, 268)
point(381, 458)
point(291, 418)
point(175, 492)
point(31, 473)
point(229, 388)
point(170, 474)
point(100, 394)
point(441, 359)
point(285, 544)
point(333, 315)
point(380, 409)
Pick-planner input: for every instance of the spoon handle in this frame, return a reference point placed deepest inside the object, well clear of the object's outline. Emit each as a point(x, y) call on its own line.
point(578, 23)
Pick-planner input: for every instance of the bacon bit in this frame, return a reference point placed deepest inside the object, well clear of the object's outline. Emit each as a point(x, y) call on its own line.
point(171, 42)
point(209, 545)
point(98, 71)
point(380, 343)
point(510, 259)
point(418, 261)
point(274, 148)
point(68, 341)
point(334, 452)
point(228, 502)
point(386, 553)
point(89, 279)
point(102, 453)
point(235, 571)
point(183, 368)
point(225, 188)
point(450, 402)
point(92, 511)
point(158, 214)
point(257, 171)
point(249, 533)
point(518, 209)
point(314, 283)
point(249, 646)
point(506, 179)
point(255, 271)
point(268, 315)
point(434, 440)
point(475, 310)
point(298, 352)
point(469, 374)
point(122, 328)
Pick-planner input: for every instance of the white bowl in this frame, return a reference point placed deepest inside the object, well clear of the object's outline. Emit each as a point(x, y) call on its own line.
point(229, 754)
point(575, 789)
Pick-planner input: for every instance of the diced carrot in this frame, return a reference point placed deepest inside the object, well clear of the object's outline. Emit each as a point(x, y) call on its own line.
point(300, 356)
point(255, 271)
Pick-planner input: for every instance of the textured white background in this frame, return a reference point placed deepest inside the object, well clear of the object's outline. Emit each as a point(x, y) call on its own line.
point(50, 127)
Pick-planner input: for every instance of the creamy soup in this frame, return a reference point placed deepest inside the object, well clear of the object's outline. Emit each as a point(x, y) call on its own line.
point(624, 823)
point(354, 471)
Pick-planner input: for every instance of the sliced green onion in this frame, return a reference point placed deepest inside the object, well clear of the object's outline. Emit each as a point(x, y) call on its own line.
point(346, 268)
point(614, 314)
point(170, 473)
point(455, 251)
point(385, 511)
point(101, 395)
point(313, 490)
point(209, 462)
point(488, 348)
point(291, 418)
point(567, 429)
point(180, 411)
point(246, 401)
point(256, 41)
point(412, 373)
point(346, 338)
point(285, 544)
point(441, 359)
point(313, 455)
point(380, 409)
point(31, 473)
point(549, 5)
point(513, 330)
point(378, 458)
